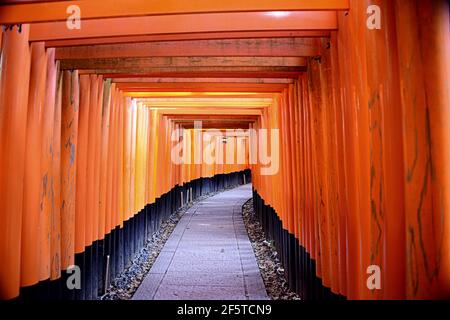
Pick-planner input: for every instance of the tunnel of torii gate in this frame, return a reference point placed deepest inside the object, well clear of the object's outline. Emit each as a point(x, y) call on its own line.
point(350, 177)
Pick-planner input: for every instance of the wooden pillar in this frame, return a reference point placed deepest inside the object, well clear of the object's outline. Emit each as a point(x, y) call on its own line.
point(90, 175)
point(47, 175)
point(69, 137)
point(107, 89)
point(127, 158)
point(15, 73)
point(120, 159)
point(97, 155)
point(423, 44)
point(34, 239)
point(55, 180)
point(81, 178)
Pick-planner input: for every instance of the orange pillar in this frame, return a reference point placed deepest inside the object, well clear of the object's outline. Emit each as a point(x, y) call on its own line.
point(81, 178)
point(436, 44)
point(97, 156)
point(32, 180)
point(422, 30)
point(386, 157)
point(90, 175)
point(108, 89)
point(115, 133)
point(127, 158)
point(331, 163)
point(69, 137)
point(133, 129)
point(347, 51)
point(342, 205)
point(47, 153)
point(120, 159)
point(55, 180)
point(15, 72)
point(109, 172)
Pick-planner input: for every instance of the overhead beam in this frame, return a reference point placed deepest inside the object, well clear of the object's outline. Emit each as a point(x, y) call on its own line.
point(190, 36)
point(209, 88)
point(216, 103)
point(240, 95)
point(218, 106)
point(181, 100)
point(175, 62)
point(205, 111)
point(201, 72)
point(201, 87)
point(57, 10)
point(218, 125)
point(212, 72)
point(202, 80)
point(214, 121)
point(281, 47)
point(210, 105)
point(206, 117)
point(189, 23)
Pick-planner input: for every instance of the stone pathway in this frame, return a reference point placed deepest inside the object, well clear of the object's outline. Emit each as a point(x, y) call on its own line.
point(208, 256)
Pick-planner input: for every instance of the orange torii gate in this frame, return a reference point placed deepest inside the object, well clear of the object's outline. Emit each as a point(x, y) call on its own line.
point(87, 118)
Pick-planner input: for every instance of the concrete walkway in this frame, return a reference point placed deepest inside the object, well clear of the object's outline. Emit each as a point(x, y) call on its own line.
point(208, 256)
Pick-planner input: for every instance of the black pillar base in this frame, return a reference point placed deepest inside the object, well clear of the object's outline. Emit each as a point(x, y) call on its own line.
point(122, 244)
point(300, 268)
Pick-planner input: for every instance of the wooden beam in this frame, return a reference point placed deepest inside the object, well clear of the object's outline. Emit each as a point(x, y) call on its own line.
point(202, 80)
point(57, 10)
point(191, 36)
point(210, 105)
point(240, 95)
point(201, 87)
point(283, 47)
point(209, 117)
point(213, 72)
point(218, 125)
point(214, 121)
point(175, 62)
point(223, 132)
point(189, 23)
point(201, 72)
point(205, 100)
point(194, 112)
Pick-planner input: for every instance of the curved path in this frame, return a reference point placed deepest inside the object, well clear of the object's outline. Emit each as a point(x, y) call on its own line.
point(208, 256)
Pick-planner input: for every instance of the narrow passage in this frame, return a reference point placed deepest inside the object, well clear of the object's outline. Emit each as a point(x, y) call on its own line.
point(208, 256)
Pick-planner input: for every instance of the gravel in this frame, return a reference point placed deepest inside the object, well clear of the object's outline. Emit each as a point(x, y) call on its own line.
point(269, 265)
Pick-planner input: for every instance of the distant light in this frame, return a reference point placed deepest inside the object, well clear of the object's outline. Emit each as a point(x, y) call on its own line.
point(278, 14)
